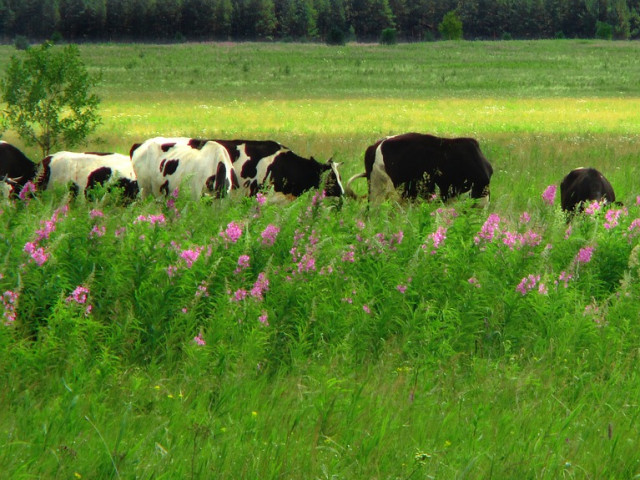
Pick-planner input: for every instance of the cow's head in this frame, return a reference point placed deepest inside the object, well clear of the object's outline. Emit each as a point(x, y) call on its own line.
point(333, 183)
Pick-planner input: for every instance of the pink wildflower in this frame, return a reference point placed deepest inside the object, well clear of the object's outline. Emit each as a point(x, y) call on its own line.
point(401, 288)
point(232, 233)
point(40, 256)
point(97, 231)
point(525, 217)
point(488, 229)
point(612, 216)
point(592, 208)
point(584, 255)
point(264, 319)
point(171, 270)
point(549, 194)
point(260, 286)
point(239, 295)
point(565, 278)
point(350, 255)
point(96, 213)
point(198, 340)
point(269, 235)
point(261, 199)
point(190, 256)
point(438, 237)
point(474, 281)
point(79, 295)
point(9, 301)
point(243, 263)
point(527, 283)
point(120, 231)
point(366, 309)
point(27, 189)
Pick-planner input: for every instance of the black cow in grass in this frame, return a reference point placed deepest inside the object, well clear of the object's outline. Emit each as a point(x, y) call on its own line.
point(15, 168)
point(418, 163)
point(584, 185)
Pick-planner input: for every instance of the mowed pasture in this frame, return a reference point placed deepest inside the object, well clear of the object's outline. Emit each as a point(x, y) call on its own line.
point(322, 339)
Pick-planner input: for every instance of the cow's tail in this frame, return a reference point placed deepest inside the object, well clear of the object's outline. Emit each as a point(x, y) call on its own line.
point(349, 191)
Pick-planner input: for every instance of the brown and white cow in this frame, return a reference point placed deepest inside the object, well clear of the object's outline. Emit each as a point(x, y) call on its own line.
point(418, 163)
point(164, 164)
point(83, 171)
point(583, 185)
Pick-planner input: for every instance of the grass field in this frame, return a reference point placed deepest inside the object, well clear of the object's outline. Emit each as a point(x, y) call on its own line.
point(321, 339)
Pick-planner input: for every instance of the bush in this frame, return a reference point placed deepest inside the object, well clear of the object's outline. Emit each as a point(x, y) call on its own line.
point(336, 37)
point(451, 26)
point(389, 36)
point(21, 42)
point(604, 31)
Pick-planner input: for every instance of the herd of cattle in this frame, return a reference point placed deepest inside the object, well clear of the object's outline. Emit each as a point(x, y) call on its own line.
point(411, 164)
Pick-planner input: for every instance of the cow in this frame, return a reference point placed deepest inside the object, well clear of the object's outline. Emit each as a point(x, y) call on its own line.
point(83, 171)
point(15, 168)
point(583, 185)
point(164, 164)
point(260, 164)
point(418, 163)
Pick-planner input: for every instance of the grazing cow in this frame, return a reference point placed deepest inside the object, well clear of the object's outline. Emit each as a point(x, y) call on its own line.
point(15, 168)
point(163, 164)
point(83, 171)
point(584, 185)
point(262, 163)
point(418, 163)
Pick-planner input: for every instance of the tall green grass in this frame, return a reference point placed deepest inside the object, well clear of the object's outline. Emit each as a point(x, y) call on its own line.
point(389, 343)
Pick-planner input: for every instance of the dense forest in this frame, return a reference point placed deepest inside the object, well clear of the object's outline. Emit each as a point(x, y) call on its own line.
point(364, 20)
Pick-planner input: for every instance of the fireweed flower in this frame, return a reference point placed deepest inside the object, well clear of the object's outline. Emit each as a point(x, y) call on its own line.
point(239, 295)
point(350, 255)
point(29, 188)
point(525, 217)
point(264, 319)
point(232, 233)
point(592, 208)
point(612, 216)
point(260, 286)
point(198, 340)
point(243, 263)
point(565, 278)
point(488, 230)
point(269, 235)
point(261, 199)
point(366, 309)
point(79, 295)
point(528, 283)
point(549, 194)
point(474, 281)
point(584, 255)
point(97, 231)
point(9, 301)
point(96, 213)
point(401, 288)
point(190, 256)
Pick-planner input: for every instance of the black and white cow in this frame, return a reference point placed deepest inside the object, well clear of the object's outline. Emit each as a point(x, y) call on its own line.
point(265, 163)
point(15, 168)
point(83, 171)
point(584, 185)
point(164, 164)
point(419, 163)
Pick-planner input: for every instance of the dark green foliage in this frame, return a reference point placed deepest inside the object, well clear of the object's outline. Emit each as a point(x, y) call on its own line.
point(336, 37)
point(21, 42)
point(389, 36)
point(451, 26)
point(604, 31)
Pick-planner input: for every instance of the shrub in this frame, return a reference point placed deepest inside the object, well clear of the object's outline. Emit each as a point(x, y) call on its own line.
point(389, 36)
point(451, 26)
point(21, 42)
point(336, 37)
point(604, 31)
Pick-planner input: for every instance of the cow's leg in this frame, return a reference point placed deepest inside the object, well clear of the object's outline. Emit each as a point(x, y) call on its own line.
point(380, 186)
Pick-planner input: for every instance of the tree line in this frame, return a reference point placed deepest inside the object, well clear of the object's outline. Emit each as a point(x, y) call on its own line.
point(317, 20)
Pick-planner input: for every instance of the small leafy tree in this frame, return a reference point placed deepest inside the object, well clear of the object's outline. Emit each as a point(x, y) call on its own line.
point(47, 92)
point(451, 26)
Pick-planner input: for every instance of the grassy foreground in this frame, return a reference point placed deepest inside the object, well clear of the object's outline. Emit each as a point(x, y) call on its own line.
point(232, 339)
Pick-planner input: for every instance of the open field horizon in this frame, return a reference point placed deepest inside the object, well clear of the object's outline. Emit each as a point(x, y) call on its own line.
point(328, 340)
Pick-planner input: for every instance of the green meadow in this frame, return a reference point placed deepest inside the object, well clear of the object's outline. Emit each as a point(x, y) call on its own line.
point(324, 339)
